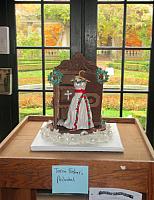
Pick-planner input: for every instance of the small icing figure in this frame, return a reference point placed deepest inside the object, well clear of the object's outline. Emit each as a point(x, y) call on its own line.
point(79, 113)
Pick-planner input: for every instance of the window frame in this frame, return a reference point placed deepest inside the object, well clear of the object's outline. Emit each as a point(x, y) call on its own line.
point(84, 27)
point(42, 91)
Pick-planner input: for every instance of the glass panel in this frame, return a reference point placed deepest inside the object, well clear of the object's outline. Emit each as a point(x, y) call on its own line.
point(110, 25)
point(29, 69)
point(111, 105)
point(111, 61)
point(52, 59)
point(28, 24)
point(139, 25)
point(49, 103)
point(57, 25)
point(136, 76)
point(30, 103)
point(135, 105)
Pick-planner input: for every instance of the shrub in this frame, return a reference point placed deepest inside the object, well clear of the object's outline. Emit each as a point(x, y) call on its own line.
point(131, 66)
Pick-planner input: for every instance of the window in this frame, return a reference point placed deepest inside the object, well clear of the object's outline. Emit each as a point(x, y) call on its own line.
point(43, 41)
point(45, 30)
point(123, 48)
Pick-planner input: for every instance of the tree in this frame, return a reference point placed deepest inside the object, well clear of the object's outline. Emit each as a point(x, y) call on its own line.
point(57, 22)
point(28, 25)
point(57, 13)
point(139, 23)
point(53, 34)
point(28, 19)
point(110, 24)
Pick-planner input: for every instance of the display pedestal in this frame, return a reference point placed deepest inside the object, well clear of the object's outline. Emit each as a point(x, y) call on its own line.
point(22, 169)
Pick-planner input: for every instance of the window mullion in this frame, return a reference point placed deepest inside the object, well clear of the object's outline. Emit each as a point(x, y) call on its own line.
point(123, 59)
point(76, 23)
point(43, 57)
point(150, 110)
point(90, 29)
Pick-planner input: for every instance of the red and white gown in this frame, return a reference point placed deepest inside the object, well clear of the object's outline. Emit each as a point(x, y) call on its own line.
point(79, 113)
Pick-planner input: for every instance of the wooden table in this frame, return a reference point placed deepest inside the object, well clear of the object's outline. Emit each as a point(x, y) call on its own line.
point(22, 171)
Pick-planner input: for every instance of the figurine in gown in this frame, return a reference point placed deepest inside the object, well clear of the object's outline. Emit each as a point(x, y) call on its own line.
point(79, 113)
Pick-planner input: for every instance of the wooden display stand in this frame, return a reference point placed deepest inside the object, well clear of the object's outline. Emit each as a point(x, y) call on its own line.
point(22, 172)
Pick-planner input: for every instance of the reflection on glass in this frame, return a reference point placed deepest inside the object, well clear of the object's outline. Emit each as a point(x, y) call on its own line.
point(52, 59)
point(110, 60)
point(111, 105)
point(49, 103)
point(29, 69)
point(110, 25)
point(57, 25)
point(136, 74)
point(135, 105)
point(28, 25)
point(139, 25)
point(30, 103)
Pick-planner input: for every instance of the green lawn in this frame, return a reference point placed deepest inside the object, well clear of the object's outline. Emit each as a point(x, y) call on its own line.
point(30, 72)
point(131, 77)
point(106, 113)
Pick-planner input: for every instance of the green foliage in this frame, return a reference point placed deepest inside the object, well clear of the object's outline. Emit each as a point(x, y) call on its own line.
point(146, 39)
point(132, 66)
point(101, 76)
point(57, 13)
point(64, 55)
point(32, 39)
point(110, 23)
point(55, 77)
point(35, 65)
point(139, 21)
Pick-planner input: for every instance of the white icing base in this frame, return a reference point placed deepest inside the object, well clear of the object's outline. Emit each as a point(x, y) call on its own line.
point(108, 140)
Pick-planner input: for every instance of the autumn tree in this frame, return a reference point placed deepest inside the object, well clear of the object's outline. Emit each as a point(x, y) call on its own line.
point(139, 24)
point(57, 23)
point(110, 24)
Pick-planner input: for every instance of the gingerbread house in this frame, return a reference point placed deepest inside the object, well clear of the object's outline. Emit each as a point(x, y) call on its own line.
point(64, 89)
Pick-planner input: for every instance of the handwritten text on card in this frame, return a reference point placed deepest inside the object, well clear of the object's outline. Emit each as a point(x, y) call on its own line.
point(69, 179)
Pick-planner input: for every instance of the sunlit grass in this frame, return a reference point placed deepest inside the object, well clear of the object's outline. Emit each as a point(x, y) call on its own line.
point(106, 113)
